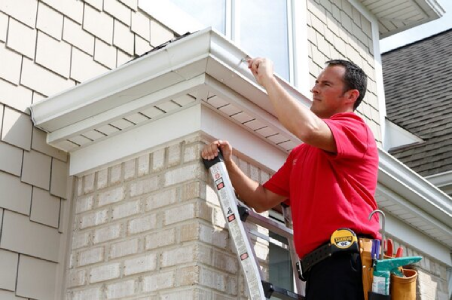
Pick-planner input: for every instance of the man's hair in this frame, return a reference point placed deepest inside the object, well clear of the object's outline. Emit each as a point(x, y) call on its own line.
point(354, 78)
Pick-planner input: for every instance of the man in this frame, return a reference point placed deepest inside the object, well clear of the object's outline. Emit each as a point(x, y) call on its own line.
point(329, 180)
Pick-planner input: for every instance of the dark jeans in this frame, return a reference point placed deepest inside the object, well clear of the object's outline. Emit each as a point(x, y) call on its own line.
point(336, 278)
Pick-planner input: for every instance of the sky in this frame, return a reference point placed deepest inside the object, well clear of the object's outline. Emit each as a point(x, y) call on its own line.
point(420, 32)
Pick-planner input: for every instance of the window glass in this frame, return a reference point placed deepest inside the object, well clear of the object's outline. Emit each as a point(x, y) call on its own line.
point(264, 31)
point(281, 274)
point(207, 12)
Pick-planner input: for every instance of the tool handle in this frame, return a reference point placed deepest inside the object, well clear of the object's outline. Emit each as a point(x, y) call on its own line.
point(210, 162)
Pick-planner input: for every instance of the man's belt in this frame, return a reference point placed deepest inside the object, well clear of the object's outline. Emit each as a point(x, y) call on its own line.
point(342, 240)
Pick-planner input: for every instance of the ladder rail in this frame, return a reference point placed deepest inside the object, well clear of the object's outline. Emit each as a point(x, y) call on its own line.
point(287, 214)
point(244, 250)
point(235, 215)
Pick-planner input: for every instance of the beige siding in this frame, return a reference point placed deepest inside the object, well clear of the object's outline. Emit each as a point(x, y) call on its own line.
point(47, 46)
point(337, 30)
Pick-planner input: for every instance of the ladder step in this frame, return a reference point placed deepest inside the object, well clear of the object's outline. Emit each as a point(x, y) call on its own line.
point(247, 214)
point(273, 291)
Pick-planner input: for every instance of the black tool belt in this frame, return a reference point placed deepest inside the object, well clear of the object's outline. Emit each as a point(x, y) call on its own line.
point(342, 240)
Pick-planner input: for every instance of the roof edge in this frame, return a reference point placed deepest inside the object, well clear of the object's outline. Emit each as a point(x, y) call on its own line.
point(413, 187)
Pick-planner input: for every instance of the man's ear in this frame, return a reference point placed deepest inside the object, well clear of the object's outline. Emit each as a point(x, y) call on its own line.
point(351, 96)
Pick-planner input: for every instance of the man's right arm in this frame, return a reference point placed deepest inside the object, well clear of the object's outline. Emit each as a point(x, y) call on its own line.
point(249, 191)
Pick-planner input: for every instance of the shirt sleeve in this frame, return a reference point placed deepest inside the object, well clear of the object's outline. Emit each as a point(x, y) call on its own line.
point(280, 181)
point(351, 135)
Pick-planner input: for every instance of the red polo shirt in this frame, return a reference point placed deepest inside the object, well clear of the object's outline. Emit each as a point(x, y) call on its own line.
point(329, 191)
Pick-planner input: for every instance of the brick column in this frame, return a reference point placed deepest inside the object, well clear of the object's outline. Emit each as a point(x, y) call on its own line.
point(152, 226)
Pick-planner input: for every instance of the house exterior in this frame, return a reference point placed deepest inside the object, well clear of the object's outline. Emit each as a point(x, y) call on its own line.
point(102, 191)
point(412, 76)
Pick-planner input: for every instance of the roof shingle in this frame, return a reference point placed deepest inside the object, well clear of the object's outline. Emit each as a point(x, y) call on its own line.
point(418, 90)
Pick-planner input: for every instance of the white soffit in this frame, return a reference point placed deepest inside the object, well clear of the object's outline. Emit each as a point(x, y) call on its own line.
point(157, 97)
point(398, 15)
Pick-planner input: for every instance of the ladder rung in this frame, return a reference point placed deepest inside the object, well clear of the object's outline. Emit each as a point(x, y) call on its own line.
point(270, 224)
point(280, 293)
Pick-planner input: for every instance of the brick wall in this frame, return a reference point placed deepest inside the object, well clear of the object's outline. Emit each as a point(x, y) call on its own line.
point(337, 30)
point(152, 226)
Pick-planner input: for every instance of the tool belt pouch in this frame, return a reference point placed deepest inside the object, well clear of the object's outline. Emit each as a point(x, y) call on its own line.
point(404, 288)
point(365, 248)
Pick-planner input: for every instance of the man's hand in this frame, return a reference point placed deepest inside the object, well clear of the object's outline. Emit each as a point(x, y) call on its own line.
point(262, 69)
point(210, 151)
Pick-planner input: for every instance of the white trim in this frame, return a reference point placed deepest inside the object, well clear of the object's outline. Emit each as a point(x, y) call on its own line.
point(251, 109)
point(417, 240)
point(253, 148)
point(65, 240)
point(171, 16)
point(235, 21)
point(197, 118)
point(377, 64)
point(396, 136)
point(109, 115)
point(409, 207)
point(410, 185)
point(301, 56)
point(135, 141)
point(441, 179)
point(229, 21)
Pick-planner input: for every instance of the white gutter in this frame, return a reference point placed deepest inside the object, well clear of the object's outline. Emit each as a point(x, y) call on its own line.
point(166, 67)
point(420, 192)
point(441, 179)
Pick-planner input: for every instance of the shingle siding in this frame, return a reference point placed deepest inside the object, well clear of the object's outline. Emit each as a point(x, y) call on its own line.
point(338, 30)
point(47, 46)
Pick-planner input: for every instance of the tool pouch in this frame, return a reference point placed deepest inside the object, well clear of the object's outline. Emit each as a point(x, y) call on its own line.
point(404, 288)
point(365, 248)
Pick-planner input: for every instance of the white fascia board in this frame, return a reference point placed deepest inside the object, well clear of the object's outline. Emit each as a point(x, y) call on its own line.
point(436, 10)
point(106, 117)
point(232, 58)
point(441, 179)
point(441, 229)
point(177, 62)
point(136, 140)
point(413, 238)
point(396, 176)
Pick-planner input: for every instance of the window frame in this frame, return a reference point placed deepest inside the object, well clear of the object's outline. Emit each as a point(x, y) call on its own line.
point(180, 22)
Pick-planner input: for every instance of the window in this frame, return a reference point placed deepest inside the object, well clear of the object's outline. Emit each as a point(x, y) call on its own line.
point(260, 27)
point(207, 12)
point(281, 274)
point(264, 31)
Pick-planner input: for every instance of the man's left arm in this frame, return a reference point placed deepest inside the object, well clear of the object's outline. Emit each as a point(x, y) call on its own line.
point(295, 117)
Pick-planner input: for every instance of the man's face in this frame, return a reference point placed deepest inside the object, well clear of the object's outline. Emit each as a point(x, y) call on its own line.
point(328, 92)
